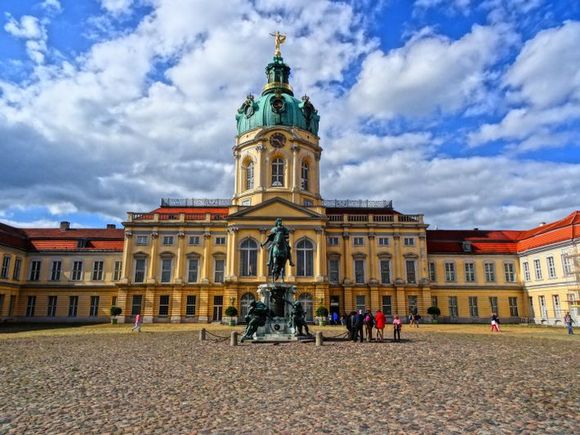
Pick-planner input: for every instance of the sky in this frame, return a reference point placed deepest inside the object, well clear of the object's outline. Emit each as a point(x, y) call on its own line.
point(465, 111)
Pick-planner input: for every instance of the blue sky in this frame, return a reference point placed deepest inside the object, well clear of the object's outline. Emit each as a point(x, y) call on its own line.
point(467, 111)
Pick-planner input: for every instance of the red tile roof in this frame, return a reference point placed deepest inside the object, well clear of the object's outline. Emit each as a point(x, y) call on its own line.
point(482, 242)
point(13, 237)
point(554, 232)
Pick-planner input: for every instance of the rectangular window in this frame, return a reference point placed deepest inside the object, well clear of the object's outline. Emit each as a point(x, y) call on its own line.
point(5, 267)
point(166, 269)
point(30, 306)
point(168, 240)
point(527, 276)
point(51, 311)
point(453, 311)
point(551, 267)
point(493, 304)
point(163, 305)
point(473, 310)
point(566, 265)
point(142, 240)
point(55, 270)
point(449, 272)
point(98, 267)
point(409, 241)
point(139, 270)
point(469, 272)
point(434, 301)
point(220, 240)
point(510, 275)
point(383, 241)
point(432, 272)
point(332, 241)
point(412, 303)
point(361, 303)
point(190, 305)
point(489, 272)
point(77, 271)
point(538, 269)
point(358, 241)
point(136, 304)
point(359, 271)
point(117, 270)
point(387, 306)
point(385, 271)
point(35, 270)
point(219, 270)
point(193, 240)
point(17, 267)
point(333, 270)
point(192, 269)
point(513, 303)
point(543, 308)
point(94, 308)
point(411, 274)
point(73, 304)
point(557, 307)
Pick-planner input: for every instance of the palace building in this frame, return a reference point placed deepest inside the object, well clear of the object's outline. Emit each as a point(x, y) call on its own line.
point(190, 259)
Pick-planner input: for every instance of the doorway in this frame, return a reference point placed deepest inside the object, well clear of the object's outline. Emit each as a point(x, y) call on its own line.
point(335, 308)
point(218, 306)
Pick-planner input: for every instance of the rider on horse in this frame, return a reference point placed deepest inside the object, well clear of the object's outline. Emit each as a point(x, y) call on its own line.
point(279, 249)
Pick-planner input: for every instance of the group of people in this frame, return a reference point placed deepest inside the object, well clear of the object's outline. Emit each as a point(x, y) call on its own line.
point(360, 325)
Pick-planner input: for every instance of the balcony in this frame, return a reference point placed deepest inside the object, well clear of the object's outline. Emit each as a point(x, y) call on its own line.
point(378, 218)
point(175, 217)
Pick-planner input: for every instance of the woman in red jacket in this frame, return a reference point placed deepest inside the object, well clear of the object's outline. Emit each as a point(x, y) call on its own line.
point(380, 324)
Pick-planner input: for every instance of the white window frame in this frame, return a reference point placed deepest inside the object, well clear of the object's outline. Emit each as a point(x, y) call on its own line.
point(220, 240)
point(527, 275)
point(278, 167)
point(469, 270)
point(383, 241)
point(35, 269)
point(538, 269)
point(432, 271)
point(249, 176)
point(117, 270)
point(305, 176)
point(557, 306)
point(145, 265)
point(509, 272)
point(385, 270)
point(166, 273)
point(58, 275)
point(168, 240)
point(76, 272)
point(551, 267)
point(407, 262)
point(409, 241)
point(100, 273)
point(331, 271)
point(332, 240)
point(5, 266)
point(473, 306)
point(194, 259)
point(217, 278)
point(489, 268)
point(358, 241)
point(359, 275)
point(193, 240)
point(450, 273)
point(566, 265)
point(141, 240)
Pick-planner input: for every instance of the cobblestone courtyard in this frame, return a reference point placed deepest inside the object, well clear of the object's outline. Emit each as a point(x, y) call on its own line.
point(169, 382)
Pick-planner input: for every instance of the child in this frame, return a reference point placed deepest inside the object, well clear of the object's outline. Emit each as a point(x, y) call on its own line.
point(397, 328)
point(494, 323)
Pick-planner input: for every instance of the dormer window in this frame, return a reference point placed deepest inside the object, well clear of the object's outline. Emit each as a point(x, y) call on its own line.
point(466, 246)
point(82, 243)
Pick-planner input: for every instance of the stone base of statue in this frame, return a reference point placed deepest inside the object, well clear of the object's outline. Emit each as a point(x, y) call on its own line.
point(272, 319)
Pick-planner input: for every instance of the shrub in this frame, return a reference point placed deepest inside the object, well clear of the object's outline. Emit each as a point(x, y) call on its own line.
point(322, 311)
point(116, 311)
point(231, 311)
point(434, 311)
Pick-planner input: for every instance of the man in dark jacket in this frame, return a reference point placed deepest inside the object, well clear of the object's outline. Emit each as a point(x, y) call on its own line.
point(358, 326)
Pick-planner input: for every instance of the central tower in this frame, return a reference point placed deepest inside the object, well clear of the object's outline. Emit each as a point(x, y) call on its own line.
point(277, 151)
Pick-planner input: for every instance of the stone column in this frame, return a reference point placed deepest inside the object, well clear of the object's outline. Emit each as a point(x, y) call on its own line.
point(400, 302)
point(261, 169)
point(290, 271)
point(231, 254)
point(122, 303)
point(426, 299)
point(262, 257)
point(295, 186)
point(176, 303)
point(375, 302)
point(398, 273)
point(320, 272)
point(347, 263)
point(237, 174)
point(180, 260)
point(316, 179)
point(205, 270)
point(372, 260)
point(203, 315)
point(127, 257)
point(153, 260)
point(348, 302)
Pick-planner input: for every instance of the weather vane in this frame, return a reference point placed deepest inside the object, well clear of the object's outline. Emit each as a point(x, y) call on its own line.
point(279, 39)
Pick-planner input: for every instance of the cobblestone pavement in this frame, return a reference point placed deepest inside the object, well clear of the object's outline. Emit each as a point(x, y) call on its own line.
point(171, 383)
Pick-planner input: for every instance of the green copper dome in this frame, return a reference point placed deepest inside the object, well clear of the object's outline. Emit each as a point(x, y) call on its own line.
point(277, 104)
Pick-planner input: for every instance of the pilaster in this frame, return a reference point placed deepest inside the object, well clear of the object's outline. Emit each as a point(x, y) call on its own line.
point(205, 270)
point(398, 274)
point(180, 260)
point(262, 267)
point(153, 260)
point(176, 302)
point(204, 305)
point(372, 260)
point(127, 256)
point(148, 305)
point(320, 272)
point(347, 263)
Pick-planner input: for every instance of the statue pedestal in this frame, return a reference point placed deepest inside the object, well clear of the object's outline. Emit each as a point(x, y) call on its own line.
point(278, 297)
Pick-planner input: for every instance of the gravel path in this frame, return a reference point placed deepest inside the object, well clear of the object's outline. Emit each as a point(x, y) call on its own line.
point(171, 383)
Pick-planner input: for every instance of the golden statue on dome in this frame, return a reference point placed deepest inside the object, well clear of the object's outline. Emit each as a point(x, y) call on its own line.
point(279, 39)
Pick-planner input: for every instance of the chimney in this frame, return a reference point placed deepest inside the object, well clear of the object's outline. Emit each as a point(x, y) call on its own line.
point(542, 224)
point(64, 226)
point(111, 226)
point(476, 229)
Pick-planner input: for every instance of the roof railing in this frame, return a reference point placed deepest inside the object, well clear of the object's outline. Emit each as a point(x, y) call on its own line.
point(195, 202)
point(356, 203)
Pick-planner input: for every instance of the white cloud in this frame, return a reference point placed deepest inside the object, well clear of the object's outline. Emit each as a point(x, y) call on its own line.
point(117, 7)
point(51, 5)
point(430, 74)
point(547, 70)
point(28, 27)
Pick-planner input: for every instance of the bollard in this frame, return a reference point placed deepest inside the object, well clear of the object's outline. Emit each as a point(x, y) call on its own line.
point(202, 334)
point(319, 339)
point(234, 338)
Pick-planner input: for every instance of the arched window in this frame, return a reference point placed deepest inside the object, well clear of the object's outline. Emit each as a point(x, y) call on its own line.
point(306, 300)
point(248, 257)
point(305, 171)
point(250, 175)
point(245, 301)
point(304, 258)
point(278, 173)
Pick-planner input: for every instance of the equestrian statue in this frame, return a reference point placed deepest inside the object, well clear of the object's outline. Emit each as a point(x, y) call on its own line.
point(279, 250)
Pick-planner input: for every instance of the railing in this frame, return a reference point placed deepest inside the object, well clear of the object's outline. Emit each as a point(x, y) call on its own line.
point(168, 216)
point(179, 217)
point(195, 202)
point(335, 217)
point(358, 218)
point(356, 203)
point(410, 218)
point(143, 216)
point(195, 216)
point(383, 218)
point(218, 216)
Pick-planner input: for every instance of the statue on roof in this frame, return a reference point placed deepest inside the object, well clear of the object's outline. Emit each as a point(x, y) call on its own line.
point(279, 39)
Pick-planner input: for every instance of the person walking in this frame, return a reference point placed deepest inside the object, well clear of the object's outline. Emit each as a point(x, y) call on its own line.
point(359, 323)
point(380, 325)
point(369, 322)
point(568, 320)
point(137, 325)
point(351, 325)
point(495, 323)
point(397, 328)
